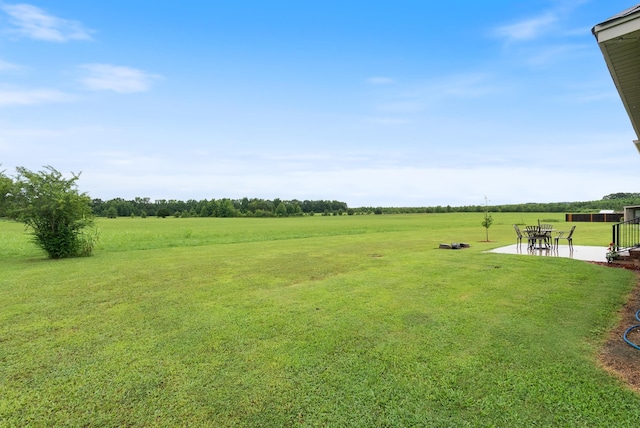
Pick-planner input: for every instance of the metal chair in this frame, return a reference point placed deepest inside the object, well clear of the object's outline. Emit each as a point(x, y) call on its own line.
point(518, 234)
point(569, 237)
point(545, 232)
point(533, 233)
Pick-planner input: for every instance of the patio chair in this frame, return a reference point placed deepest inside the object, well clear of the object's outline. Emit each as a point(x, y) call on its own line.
point(545, 232)
point(518, 234)
point(569, 237)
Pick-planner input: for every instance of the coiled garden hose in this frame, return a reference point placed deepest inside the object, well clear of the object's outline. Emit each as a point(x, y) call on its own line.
point(632, 328)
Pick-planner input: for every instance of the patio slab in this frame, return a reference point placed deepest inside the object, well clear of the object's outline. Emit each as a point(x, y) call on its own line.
point(580, 252)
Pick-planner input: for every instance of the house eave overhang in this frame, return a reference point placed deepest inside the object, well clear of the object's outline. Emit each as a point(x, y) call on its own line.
point(618, 26)
point(619, 40)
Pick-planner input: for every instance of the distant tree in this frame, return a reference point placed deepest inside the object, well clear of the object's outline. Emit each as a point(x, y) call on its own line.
point(620, 195)
point(281, 210)
point(112, 212)
point(293, 208)
point(244, 205)
point(6, 184)
point(53, 208)
point(163, 212)
point(226, 209)
point(204, 210)
point(307, 206)
point(488, 220)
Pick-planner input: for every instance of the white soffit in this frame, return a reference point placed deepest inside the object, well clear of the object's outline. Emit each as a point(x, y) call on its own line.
point(619, 40)
point(618, 25)
point(617, 29)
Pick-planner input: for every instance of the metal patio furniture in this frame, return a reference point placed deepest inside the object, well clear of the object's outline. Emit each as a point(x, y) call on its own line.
point(532, 235)
point(545, 231)
point(569, 237)
point(539, 235)
point(518, 234)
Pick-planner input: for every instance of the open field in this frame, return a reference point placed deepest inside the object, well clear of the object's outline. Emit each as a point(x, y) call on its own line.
point(313, 321)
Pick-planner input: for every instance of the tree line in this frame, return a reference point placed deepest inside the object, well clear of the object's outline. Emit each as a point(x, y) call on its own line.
point(614, 201)
point(256, 207)
point(245, 207)
point(60, 217)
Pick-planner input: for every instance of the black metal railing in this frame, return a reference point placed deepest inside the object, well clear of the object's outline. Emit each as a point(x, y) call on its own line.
point(626, 234)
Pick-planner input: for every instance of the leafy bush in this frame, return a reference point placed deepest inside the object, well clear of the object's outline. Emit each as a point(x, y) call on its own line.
point(53, 208)
point(163, 212)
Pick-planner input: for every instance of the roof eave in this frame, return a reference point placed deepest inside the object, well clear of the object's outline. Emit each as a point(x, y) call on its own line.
point(617, 27)
point(622, 28)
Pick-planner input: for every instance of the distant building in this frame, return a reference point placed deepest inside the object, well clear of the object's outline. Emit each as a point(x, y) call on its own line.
point(631, 212)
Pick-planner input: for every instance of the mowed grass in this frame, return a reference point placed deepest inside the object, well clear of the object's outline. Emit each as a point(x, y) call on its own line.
point(314, 321)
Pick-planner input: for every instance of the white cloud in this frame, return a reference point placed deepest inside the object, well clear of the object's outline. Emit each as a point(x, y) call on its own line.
point(359, 186)
point(107, 77)
point(32, 96)
point(35, 23)
point(528, 29)
point(443, 174)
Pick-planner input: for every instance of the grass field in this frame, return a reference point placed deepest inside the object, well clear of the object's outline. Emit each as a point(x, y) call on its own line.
point(313, 321)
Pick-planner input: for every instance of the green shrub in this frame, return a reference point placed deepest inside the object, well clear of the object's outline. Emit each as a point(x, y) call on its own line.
point(53, 208)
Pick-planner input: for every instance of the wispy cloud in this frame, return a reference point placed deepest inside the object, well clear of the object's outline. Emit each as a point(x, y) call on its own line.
point(545, 55)
point(542, 40)
point(32, 96)
point(107, 77)
point(50, 133)
point(7, 66)
point(527, 29)
point(388, 120)
point(380, 80)
point(470, 85)
point(35, 23)
point(402, 106)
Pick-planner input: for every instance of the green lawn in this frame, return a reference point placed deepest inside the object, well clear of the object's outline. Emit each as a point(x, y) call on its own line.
point(314, 321)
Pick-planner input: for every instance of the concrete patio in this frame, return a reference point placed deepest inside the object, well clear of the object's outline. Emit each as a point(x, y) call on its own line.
point(580, 252)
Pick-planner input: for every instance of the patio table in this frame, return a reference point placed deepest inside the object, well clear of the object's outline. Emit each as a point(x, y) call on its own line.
point(540, 236)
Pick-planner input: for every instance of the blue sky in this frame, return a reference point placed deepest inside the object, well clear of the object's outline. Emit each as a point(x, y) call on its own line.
point(383, 103)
